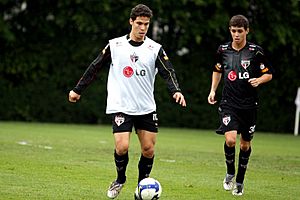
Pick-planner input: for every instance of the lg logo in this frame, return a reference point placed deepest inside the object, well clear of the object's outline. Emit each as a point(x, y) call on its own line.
point(141, 72)
point(241, 75)
point(244, 75)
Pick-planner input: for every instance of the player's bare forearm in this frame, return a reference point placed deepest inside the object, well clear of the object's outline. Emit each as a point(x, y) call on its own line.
point(255, 82)
point(216, 77)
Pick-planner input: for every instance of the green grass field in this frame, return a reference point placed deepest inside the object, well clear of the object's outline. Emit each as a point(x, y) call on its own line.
point(59, 161)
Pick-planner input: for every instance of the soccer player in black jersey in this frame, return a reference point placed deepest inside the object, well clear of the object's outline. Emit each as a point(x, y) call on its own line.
point(244, 67)
point(134, 62)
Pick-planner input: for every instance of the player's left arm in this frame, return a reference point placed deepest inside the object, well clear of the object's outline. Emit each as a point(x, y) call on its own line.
point(266, 70)
point(255, 82)
point(167, 72)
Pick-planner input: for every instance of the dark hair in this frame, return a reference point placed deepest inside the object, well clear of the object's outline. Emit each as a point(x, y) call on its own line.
point(140, 10)
point(239, 21)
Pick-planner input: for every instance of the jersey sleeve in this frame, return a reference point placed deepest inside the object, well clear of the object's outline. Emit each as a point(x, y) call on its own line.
point(167, 71)
point(218, 61)
point(264, 64)
point(91, 72)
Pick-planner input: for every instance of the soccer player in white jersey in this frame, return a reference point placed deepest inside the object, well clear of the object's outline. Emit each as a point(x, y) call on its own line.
point(135, 60)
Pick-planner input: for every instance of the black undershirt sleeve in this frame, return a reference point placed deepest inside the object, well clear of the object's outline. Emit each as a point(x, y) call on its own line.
point(167, 71)
point(90, 74)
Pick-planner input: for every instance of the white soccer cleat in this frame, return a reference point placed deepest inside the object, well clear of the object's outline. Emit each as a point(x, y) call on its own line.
point(136, 196)
point(238, 189)
point(228, 182)
point(114, 189)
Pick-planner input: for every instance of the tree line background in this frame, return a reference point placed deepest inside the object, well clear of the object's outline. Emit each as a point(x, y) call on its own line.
point(45, 46)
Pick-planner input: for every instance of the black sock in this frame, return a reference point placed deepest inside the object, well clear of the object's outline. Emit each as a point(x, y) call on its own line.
point(230, 158)
point(243, 162)
point(145, 167)
point(121, 164)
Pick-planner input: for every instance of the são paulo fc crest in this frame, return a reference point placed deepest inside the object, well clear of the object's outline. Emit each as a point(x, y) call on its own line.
point(134, 57)
point(119, 119)
point(226, 120)
point(245, 63)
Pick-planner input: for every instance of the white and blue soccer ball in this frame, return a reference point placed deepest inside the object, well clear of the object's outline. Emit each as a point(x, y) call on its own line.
point(148, 189)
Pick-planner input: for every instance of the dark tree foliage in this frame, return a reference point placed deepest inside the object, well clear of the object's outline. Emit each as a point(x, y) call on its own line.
point(46, 46)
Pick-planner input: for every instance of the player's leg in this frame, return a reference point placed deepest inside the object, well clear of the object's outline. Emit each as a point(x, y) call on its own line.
point(122, 127)
point(146, 129)
point(147, 141)
point(229, 126)
point(247, 132)
point(121, 161)
point(245, 151)
point(121, 154)
point(229, 151)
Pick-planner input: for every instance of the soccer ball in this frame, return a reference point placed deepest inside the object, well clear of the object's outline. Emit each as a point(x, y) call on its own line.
point(148, 189)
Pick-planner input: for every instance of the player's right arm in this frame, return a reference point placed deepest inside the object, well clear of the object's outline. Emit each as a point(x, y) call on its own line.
point(90, 74)
point(216, 78)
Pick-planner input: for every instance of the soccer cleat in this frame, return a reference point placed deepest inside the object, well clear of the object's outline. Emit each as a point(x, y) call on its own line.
point(136, 196)
point(228, 182)
point(114, 189)
point(238, 189)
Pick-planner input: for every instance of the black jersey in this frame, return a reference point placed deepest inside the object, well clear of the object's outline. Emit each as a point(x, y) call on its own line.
point(237, 67)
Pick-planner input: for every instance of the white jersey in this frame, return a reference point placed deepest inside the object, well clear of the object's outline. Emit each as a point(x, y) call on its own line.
point(131, 77)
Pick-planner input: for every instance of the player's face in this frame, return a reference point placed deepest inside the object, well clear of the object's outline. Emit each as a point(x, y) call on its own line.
point(238, 34)
point(139, 28)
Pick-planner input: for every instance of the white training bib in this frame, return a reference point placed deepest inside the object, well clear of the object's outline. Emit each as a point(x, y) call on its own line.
point(131, 77)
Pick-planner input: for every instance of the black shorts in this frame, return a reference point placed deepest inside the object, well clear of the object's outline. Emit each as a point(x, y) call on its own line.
point(123, 123)
point(241, 120)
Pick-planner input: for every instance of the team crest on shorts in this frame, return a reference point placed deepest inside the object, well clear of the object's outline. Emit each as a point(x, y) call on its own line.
point(226, 120)
point(119, 119)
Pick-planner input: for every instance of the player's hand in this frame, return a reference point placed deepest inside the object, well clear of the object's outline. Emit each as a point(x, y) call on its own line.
point(254, 82)
point(211, 97)
point(73, 96)
point(179, 98)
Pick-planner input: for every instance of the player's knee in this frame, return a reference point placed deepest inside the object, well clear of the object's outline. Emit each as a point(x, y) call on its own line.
point(245, 146)
point(230, 138)
point(122, 149)
point(148, 151)
point(230, 142)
